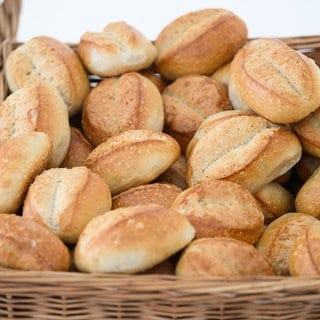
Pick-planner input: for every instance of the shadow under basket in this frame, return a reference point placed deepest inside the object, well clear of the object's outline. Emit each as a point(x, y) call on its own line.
point(75, 295)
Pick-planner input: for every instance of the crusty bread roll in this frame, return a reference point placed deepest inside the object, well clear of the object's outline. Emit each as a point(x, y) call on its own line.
point(222, 257)
point(160, 193)
point(279, 237)
point(119, 48)
point(132, 239)
point(155, 78)
point(218, 208)
point(274, 80)
point(249, 150)
point(199, 42)
point(305, 253)
point(117, 104)
point(222, 74)
point(132, 158)
point(45, 58)
point(27, 245)
point(188, 101)
point(274, 200)
point(37, 107)
point(65, 200)
point(21, 159)
point(78, 151)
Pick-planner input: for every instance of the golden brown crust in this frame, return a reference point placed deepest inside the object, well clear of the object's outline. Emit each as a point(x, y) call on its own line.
point(132, 239)
point(279, 237)
point(218, 208)
point(132, 158)
point(159, 193)
point(199, 42)
point(78, 151)
point(45, 58)
point(37, 107)
point(65, 200)
point(117, 104)
point(21, 159)
point(27, 245)
point(221, 257)
point(252, 143)
point(119, 48)
point(274, 80)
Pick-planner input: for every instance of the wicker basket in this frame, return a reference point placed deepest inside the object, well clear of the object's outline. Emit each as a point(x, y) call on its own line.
point(73, 295)
point(9, 18)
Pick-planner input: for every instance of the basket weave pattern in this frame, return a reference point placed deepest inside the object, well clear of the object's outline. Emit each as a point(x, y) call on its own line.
point(73, 295)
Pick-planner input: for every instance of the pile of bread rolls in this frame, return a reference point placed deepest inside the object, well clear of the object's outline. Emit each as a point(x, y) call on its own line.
point(194, 155)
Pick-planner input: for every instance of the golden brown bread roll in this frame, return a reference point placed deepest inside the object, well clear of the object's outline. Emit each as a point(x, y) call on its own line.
point(155, 78)
point(45, 58)
point(218, 208)
point(253, 153)
point(119, 48)
point(305, 253)
point(274, 80)
point(132, 239)
point(132, 158)
point(65, 200)
point(188, 101)
point(117, 104)
point(37, 107)
point(78, 151)
point(160, 193)
point(21, 159)
point(221, 257)
point(199, 42)
point(27, 245)
point(279, 237)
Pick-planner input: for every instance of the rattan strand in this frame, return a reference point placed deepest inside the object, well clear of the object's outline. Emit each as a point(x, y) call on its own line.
point(9, 19)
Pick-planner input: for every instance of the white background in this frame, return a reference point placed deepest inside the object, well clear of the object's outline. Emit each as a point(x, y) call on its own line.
point(67, 20)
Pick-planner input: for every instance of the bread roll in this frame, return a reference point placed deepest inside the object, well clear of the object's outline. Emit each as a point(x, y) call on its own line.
point(274, 80)
point(221, 257)
point(279, 237)
point(188, 101)
point(37, 107)
point(253, 153)
point(117, 104)
point(132, 239)
point(21, 159)
point(305, 254)
point(27, 245)
point(199, 42)
point(306, 166)
point(46, 58)
point(132, 158)
point(222, 74)
point(155, 78)
point(218, 208)
point(119, 48)
point(159, 193)
point(65, 200)
point(78, 151)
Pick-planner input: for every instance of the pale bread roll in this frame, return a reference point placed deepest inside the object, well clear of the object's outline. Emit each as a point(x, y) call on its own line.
point(46, 58)
point(117, 104)
point(159, 193)
point(279, 237)
point(21, 159)
point(188, 101)
point(37, 107)
point(132, 239)
point(119, 48)
point(305, 254)
point(249, 150)
point(222, 257)
point(218, 208)
point(132, 158)
point(274, 80)
point(27, 245)
point(78, 151)
point(222, 74)
point(199, 42)
point(65, 200)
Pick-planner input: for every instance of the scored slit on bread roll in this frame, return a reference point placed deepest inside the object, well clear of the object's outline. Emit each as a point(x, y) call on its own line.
point(46, 58)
